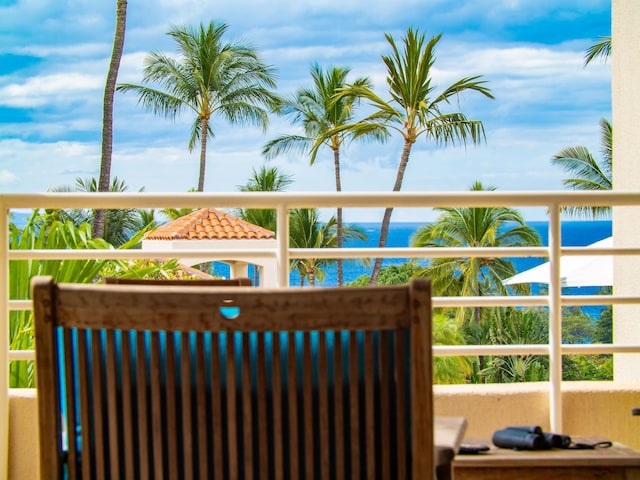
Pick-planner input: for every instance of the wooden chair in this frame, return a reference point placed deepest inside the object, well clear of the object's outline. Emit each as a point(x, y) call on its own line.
point(148, 381)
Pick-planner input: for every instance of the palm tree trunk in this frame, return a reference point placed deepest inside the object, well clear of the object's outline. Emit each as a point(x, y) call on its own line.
point(204, 130)
point(336, 162)
point(107, 114)
point(386, 219)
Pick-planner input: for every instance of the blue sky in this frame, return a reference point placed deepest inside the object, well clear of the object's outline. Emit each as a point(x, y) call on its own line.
point(54, 56)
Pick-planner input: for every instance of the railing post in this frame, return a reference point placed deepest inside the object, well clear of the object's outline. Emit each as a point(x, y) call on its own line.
point(282, 236)
point(4, 340)
point(555, 320)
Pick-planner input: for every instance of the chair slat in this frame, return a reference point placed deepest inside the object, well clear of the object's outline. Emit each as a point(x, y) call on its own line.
point(261, 407)
point(185, 396)
point(338, 414)
point(157, 416)
point(127, 407)
point(307, 405)
point(323, 407)
point(401, 402)
point(216, 406)
point(354, 406)
point(369, 406)
point(98, 413)
point(386, 394)
point(142, 419)
point(71, 402)
point(83, 395)
point(171, 408)
point(247, 411)
point(277, 406)
point(202, 420)
point(113, 425)
point(232, 414)
point(292, 403)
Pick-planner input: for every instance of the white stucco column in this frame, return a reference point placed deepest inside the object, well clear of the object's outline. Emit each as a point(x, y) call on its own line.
point(625, 31)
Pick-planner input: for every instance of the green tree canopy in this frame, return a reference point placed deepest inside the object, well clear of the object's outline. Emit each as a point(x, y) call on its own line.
point(586, 173)
point(210, 77)
point(415, 108)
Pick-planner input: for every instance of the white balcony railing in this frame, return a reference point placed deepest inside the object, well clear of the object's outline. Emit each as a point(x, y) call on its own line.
point(283, 202)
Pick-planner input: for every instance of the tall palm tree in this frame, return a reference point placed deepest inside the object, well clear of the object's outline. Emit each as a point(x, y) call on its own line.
point(586, 173)
point(211, 78)
point(307, 231)
point(416, 109)
point(107, 113)
point(601, 49)
point(314, 109)
point(474, 227)
point(264, 180)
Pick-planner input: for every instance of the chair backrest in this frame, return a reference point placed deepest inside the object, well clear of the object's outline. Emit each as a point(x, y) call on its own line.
point(147, 381)
point(213, 282)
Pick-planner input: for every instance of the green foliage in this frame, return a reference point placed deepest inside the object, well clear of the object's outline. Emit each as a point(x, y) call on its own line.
point(45, 232)
point(587, 367)
point(448, 370)
point(577, 326)
point(509, 326)
point(587, 173)
point(603, 328)
point(391, 275)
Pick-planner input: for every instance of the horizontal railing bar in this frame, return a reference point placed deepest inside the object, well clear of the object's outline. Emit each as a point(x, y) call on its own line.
point(469, 350)
point(426, 252)
point(110, 254)
point(331, 253)
point(484, 350)
point(492, 301)
point(318, 199)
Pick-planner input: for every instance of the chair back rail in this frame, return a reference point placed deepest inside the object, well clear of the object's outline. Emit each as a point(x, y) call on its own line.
point(168, 381)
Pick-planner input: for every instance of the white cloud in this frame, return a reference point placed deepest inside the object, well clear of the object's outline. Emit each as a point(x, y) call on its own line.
point(61, 88)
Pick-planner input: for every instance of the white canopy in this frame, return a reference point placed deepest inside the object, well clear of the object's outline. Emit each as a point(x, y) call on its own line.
point(575, 270)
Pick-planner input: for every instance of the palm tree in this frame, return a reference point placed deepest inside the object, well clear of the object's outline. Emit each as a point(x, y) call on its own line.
point(211, 78)
point(474, 227)
point(415, 109)
point(107, 113)
point(264, 180)
point(586, 173)
point(601, 49)
point(307, 231)
point(315, 110)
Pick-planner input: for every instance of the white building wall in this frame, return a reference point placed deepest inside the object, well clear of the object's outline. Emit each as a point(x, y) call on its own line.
point(626, 175)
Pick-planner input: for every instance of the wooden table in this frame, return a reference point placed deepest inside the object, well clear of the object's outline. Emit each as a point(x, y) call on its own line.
point(616, 463)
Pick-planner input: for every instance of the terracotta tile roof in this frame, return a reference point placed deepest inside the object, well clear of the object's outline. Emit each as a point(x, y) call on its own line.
point(209, 224)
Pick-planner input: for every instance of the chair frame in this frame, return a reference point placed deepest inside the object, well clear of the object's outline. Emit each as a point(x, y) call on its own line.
point(172, 308)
